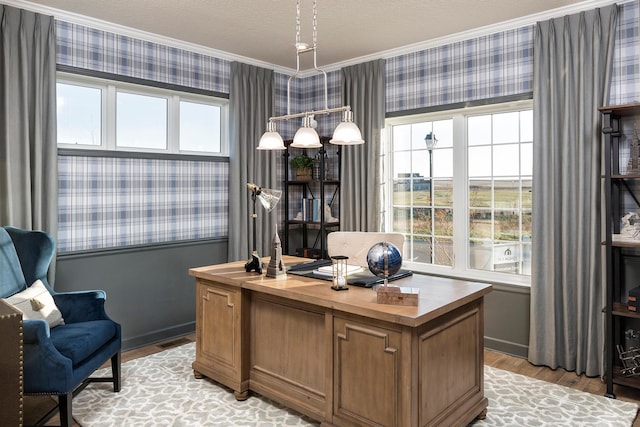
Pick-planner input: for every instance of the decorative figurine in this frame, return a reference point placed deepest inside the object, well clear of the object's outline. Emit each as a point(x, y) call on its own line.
point(276, 265)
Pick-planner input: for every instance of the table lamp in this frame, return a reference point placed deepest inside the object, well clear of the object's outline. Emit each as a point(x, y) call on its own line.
point(269, 199)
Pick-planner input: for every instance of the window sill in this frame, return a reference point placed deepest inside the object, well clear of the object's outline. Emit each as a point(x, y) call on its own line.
point(500, 281)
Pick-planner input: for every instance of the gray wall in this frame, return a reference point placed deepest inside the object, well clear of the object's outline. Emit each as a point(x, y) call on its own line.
point(149, 291)
point(506, 319)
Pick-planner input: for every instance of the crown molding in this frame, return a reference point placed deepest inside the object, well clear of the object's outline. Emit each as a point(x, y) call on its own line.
point(520, 22)
point(98, 24)
point(415, 47)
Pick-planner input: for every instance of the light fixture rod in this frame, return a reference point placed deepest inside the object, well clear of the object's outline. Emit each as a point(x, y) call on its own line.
point(309, 113)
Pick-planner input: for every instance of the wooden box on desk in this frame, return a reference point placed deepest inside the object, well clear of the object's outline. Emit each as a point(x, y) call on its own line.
point(10, 365)
point(397, 295)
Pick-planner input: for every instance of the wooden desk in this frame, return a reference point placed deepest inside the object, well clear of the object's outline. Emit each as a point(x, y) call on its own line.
point(339, 357)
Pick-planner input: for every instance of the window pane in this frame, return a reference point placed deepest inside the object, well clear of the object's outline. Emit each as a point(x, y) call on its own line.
point(402, 191)
point(444, 251)
point(443, 192)
point(526, 194)
point(479, 130)
point(479, 161)
point(402, 165)
point(141, 121)
point(401, 137)
point(526, 125)
point(506, 128)
point(420, 163)
point(443, 131)
point(418, 132)
point(480, 255)
point(443, 163)
point(421, 192)
point(402, 220)
point(507, 225)
point(412, 185)
point(79, 110)
point(506, 193)
point(526, 226)
point(506, 257)
point(506, 160)
point(199, 127)
point(421, 247)
point(443, 222)
point(480, 223)
point(526, 159)
point(498, 221)
point(480, 193)
point(422, 221)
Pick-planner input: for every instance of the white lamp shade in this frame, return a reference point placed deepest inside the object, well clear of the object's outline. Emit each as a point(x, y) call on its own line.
point(347, 133)
point(271, 141)
point(306, 137)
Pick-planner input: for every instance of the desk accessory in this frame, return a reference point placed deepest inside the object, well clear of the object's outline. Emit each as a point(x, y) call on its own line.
point(384, 260)
point(268, 199)
point(340, 272)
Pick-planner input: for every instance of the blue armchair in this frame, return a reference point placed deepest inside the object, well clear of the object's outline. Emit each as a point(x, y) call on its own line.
point(58, 360)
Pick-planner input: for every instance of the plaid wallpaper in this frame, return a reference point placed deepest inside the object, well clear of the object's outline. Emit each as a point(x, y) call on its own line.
point(484, 67)
point(625, 80)
point(91, 49)
point(112, 202)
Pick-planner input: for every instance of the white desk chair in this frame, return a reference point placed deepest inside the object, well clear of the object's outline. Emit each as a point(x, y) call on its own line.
point(356, 244)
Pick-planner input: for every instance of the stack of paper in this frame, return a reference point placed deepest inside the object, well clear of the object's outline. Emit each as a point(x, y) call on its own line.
point(327, 270)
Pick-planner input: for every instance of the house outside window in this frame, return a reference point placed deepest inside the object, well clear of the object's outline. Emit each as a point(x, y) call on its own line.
point(463, 203)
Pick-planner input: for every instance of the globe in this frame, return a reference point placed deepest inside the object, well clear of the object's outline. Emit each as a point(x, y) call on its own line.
point(381, 254)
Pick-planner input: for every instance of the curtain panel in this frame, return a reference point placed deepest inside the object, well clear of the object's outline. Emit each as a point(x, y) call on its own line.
point(251, 103)
point(28, 144)
point(360, 174)
point(573, 61)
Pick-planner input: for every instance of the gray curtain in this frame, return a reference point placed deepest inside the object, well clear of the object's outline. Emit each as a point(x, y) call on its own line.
point(251, 103)
point(28, 144)
point(364, 90)
point(572, 60)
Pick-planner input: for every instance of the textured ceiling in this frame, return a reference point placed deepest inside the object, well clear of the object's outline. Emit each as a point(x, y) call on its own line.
point(264, 30)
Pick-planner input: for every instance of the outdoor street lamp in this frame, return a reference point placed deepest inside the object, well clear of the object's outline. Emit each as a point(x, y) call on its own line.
point(431, 142)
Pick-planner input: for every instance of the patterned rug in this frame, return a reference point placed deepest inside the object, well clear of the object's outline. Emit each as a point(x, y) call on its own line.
point(160, 390)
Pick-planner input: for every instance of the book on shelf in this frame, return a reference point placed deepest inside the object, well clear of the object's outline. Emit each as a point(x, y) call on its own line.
point(311, 209)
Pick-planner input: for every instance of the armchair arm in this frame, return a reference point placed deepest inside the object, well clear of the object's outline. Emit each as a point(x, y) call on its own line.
point(81, 306)
point(35, 331)
point(45, 369)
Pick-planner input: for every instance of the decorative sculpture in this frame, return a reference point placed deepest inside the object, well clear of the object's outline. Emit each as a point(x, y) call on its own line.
point(634, 155)
point(276, 265)
point(630, 226)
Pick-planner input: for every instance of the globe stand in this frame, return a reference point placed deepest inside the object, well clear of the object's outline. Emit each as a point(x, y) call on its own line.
point(384, 260)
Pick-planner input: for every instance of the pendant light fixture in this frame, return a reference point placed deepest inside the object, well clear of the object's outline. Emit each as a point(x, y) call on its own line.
point(346, 133)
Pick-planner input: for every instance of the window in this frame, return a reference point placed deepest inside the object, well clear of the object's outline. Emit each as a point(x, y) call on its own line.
point(108, 115)
point(464, 205)
point(79, 111)
point(141, 121)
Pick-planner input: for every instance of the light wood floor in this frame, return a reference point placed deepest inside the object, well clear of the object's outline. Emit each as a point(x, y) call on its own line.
point(35, 407)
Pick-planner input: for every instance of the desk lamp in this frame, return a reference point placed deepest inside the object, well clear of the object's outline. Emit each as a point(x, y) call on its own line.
point(269, 199)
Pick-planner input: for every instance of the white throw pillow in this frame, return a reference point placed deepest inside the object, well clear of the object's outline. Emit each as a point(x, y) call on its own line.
point(35, 303)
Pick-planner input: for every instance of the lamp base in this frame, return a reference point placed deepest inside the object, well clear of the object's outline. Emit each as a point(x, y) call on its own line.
point(254, 264)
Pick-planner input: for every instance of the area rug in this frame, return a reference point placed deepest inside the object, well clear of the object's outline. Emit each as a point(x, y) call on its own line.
point(160, 390)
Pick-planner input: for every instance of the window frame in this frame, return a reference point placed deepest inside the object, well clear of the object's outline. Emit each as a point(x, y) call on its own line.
point(110, 89)
point(461, 263)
